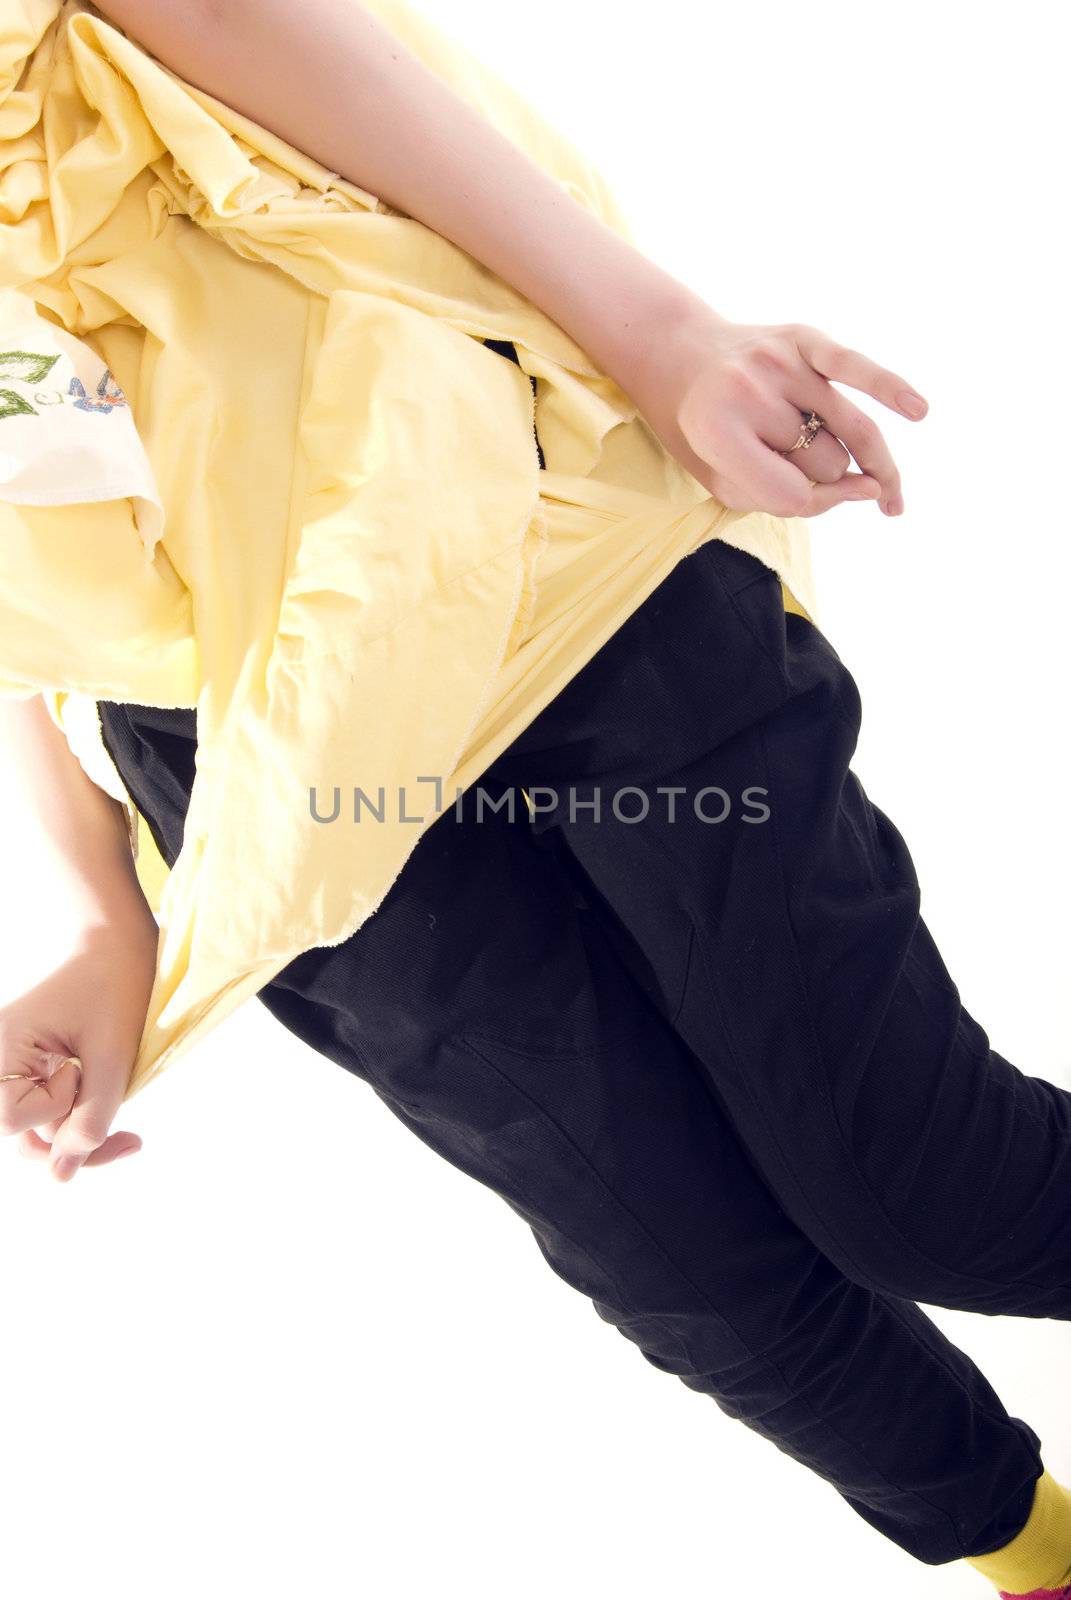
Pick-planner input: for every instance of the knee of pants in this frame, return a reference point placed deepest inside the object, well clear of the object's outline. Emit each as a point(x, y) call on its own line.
point(639, 1196)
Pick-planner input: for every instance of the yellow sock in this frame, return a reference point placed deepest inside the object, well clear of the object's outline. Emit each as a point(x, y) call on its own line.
point(1039, 1557)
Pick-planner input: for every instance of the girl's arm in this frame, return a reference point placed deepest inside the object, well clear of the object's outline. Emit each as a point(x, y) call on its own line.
point(725, 399)
point(332, 80)
point(84, 828)
point(93, 1006)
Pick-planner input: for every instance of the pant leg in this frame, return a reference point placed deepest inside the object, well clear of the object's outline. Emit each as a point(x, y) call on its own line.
point(485, 1006)
point(789, 951)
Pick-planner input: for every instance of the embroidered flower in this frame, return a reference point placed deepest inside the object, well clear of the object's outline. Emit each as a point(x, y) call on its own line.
point(108, 394)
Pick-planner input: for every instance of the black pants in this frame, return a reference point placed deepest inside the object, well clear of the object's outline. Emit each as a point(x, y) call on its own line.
point(718, 1066)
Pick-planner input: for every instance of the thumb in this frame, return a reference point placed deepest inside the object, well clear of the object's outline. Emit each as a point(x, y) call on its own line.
point(86, 1126)
point(852, 486)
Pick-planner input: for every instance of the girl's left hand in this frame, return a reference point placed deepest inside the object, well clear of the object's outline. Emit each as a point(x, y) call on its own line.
point(91, 1010)
point(727, 400)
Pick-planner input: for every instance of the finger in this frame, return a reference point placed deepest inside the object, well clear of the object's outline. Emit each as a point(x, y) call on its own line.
point(824, 460)
point(121, 1143)
point(51, 1061)
point(860, 433)
point(841, 364)
point(87, 1125)
point(853, 486)
point(772, 481)
point(43, 1101)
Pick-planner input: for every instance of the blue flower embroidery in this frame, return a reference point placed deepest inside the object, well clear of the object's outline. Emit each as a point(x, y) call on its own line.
point(30, 366)
point(108, 394)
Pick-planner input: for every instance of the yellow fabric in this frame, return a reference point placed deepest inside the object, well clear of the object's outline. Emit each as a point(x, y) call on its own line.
point(150, 865)
point(1039, 1557)
point(152, 869)
point(363, 577)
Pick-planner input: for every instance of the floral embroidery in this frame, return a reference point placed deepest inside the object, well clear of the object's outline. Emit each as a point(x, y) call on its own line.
point(28, 366)
point(33, 366)
point(109, 395)
point(13, 405)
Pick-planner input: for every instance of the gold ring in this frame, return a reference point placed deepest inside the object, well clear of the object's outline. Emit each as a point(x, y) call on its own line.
point(810, 428)
point(35, 1077)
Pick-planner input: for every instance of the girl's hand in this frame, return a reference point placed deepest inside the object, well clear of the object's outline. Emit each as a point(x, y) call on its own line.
point(728, 399)
point(92, 1008)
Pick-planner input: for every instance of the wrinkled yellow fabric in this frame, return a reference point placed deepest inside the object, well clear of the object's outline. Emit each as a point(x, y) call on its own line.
point(363, 577)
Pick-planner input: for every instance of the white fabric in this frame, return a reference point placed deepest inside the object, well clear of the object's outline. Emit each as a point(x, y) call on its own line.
point(66, 432)
point(76, 717)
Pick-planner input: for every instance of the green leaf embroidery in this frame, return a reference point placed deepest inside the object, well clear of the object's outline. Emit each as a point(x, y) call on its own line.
point(35, 366)
point(13, 405)
point(25, 366)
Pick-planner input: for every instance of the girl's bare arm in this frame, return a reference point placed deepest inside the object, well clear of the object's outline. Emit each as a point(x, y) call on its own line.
point(724, 398)
point(332, 80)
point(93, 1006)
point(85, 829)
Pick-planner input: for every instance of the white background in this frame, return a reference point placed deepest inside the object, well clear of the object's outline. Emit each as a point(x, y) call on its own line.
point(289, 1350)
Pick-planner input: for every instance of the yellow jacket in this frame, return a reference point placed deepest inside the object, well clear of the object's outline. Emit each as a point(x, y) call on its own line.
point(363, 577)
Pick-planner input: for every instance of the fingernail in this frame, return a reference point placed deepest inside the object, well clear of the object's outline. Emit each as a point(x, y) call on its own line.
point(131, 1150)
point(54, 1062)
point(912, 403)
point(895, 506)
point(65, 1167)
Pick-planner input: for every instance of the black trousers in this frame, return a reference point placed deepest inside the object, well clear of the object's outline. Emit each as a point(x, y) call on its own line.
point(688, 1024)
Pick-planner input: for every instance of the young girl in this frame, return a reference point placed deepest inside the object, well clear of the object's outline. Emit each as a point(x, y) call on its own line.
point(640, 956)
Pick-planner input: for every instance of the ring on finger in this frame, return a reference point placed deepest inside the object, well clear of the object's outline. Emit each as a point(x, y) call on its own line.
point(36, 1077)
point(813, 422)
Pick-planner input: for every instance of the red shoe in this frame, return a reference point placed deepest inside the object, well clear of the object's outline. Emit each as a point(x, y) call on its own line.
point(1063, 1593)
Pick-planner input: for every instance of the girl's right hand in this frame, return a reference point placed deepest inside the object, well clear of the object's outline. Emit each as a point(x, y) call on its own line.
point(93, 1008)
point(728, 399)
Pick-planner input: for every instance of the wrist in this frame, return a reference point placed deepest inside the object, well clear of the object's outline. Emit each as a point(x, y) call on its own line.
point(646, 326)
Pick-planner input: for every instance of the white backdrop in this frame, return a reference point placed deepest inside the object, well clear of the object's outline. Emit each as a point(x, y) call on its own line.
point(289, 1350)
